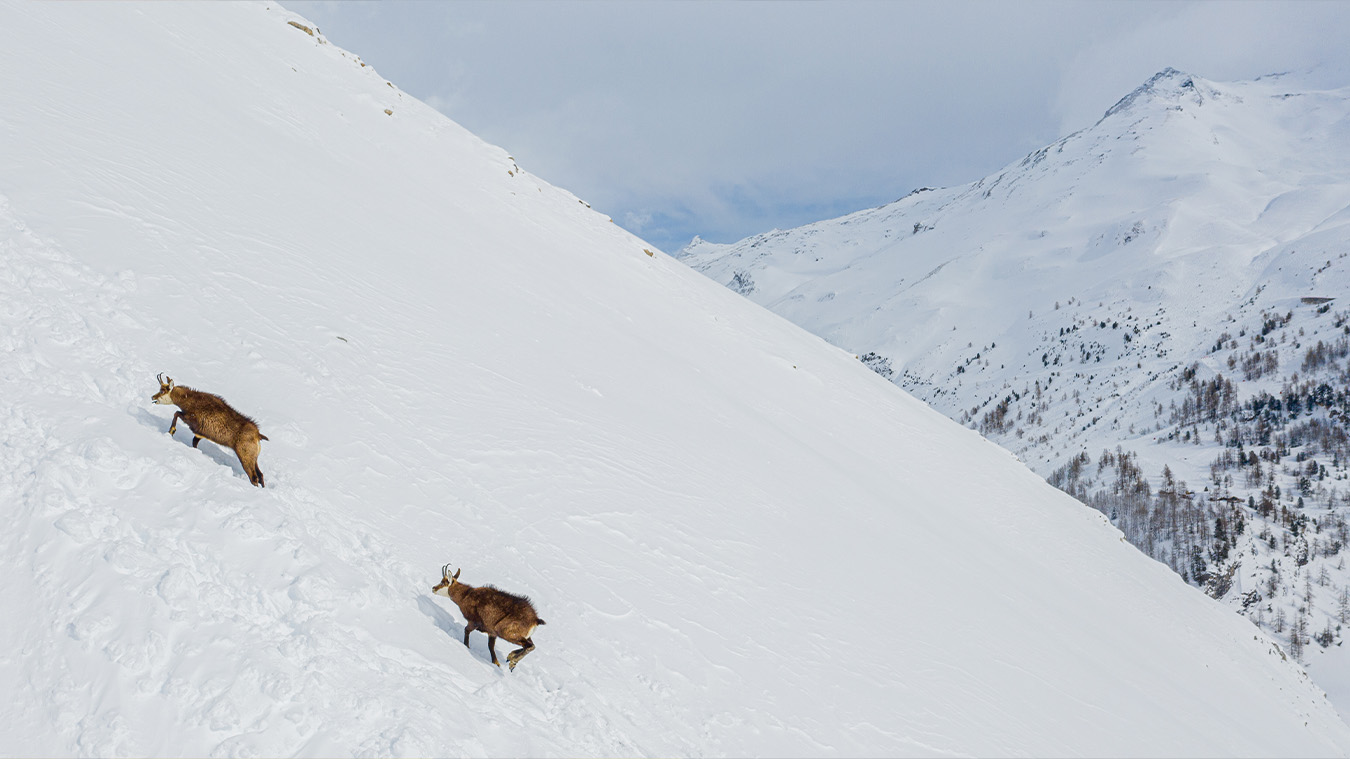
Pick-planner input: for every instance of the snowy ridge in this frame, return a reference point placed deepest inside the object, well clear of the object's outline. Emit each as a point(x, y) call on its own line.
point(743, 541)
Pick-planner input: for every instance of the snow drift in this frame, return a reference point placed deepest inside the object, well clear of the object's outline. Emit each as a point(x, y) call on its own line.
point(744, 542)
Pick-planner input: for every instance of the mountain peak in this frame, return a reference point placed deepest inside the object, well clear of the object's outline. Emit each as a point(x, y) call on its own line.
point(1169, 84)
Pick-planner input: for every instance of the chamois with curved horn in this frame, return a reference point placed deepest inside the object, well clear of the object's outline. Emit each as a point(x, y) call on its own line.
point(210, 417)
point(495, 612)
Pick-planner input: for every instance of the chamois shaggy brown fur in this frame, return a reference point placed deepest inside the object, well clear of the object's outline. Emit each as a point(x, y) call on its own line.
point(495, 612)
point(210, 417)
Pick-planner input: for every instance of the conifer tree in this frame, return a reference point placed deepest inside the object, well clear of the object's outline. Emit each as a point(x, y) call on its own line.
point(1298, 635)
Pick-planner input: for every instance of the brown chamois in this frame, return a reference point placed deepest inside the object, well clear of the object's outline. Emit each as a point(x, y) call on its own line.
point(495, 612)
point(210, 417)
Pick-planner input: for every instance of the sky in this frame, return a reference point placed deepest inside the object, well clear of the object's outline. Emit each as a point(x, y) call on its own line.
point(728, 119)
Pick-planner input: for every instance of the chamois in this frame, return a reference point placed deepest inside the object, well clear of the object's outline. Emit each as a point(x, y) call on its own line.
point(495, 612)
point(210, 417)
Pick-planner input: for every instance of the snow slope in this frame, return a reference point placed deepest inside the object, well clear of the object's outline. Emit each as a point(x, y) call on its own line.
point(742, 540)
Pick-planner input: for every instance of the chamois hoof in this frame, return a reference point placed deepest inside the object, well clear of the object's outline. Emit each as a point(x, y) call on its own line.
point(172, 430)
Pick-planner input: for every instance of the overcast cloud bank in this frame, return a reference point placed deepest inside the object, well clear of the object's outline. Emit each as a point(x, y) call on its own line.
point(729, 119)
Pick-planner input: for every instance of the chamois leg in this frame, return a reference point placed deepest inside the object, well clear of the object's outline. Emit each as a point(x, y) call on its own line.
point(515, 656)
point(468, 628)
point(173, 426)
point(248, 459)
point(492, 648)
point(195, 440)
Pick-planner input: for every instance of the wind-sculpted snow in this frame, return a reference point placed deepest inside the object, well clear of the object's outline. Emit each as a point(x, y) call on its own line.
point(744, 542)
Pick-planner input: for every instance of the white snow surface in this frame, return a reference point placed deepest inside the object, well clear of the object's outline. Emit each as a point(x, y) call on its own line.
point(743, 541)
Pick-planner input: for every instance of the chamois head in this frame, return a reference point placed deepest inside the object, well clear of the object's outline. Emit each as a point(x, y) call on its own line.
point(443, 587)
point(164, 396)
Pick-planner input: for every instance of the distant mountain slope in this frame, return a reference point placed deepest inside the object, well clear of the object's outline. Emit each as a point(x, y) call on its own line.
point(1184, 187)
point(1162, 290)
point(743, 542)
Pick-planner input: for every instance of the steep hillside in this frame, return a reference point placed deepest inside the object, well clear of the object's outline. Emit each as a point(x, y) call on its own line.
point(743, 542)
point(1151, 302)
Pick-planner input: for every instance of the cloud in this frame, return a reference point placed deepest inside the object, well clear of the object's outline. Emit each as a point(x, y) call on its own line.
point(1220, 41)
point(728, 119)
point(637, 220)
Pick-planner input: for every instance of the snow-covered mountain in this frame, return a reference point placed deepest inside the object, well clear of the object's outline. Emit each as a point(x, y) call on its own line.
point(743, 541)
point(1161, 220)
point(1150, 312)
